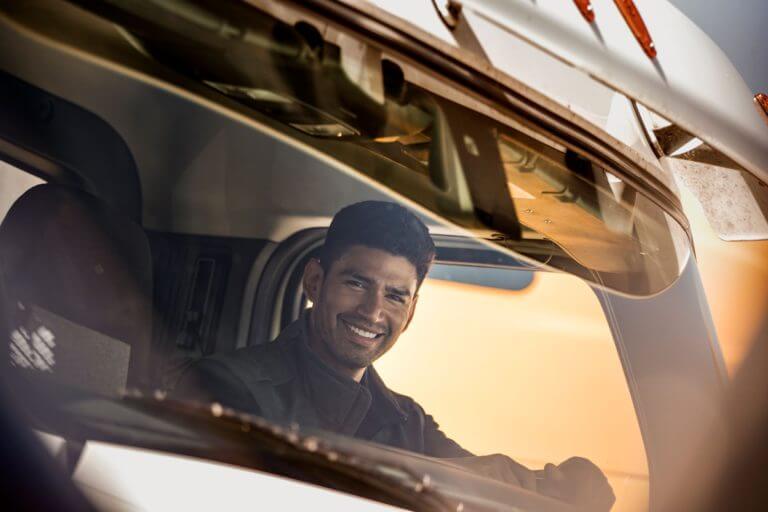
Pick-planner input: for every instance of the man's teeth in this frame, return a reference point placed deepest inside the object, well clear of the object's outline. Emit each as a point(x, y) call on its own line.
point(362, 332)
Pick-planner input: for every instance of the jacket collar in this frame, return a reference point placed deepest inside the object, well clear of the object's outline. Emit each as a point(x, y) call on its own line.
point(385, 400)
point(337, 397)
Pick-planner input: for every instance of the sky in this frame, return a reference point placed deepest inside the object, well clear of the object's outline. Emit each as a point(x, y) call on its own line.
point(740, 28)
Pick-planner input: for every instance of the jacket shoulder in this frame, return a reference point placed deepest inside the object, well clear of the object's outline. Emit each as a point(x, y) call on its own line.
point(406, 403)
point(266, 362)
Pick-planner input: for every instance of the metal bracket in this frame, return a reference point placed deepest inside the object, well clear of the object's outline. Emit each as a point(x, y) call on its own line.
point(449, 11)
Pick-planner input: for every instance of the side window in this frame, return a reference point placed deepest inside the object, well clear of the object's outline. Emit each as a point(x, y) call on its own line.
point(530, 371)
point(13, 183)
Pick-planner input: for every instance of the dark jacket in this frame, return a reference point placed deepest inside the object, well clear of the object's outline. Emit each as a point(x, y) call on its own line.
point(285, 382)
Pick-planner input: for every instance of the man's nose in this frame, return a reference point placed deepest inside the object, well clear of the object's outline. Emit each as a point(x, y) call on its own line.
point(372, 306)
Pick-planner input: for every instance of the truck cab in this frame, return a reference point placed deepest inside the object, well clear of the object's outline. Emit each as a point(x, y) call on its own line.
point(169, 167)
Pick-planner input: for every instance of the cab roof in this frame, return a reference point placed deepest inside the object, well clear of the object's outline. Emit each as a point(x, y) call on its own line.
point(690, 81)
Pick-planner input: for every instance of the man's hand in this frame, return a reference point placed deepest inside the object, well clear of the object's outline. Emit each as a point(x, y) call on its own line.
point(577, 480)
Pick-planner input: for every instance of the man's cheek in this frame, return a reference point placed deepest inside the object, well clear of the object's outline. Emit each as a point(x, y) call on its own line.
point(344, 300)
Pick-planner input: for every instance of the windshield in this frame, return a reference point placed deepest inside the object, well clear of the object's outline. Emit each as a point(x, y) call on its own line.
point(471, 160)
point(347, 271)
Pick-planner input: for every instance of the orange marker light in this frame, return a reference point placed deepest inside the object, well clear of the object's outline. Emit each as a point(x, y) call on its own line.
point(637, 26)
point(586, 10)
point(762, 102)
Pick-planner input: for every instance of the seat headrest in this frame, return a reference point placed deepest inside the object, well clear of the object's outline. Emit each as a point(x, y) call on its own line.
point(63, 250)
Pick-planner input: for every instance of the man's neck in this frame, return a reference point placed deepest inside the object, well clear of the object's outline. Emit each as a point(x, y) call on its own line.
point(320, 349)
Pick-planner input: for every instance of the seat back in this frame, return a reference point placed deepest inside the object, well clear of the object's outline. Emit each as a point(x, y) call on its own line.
point(79, 280)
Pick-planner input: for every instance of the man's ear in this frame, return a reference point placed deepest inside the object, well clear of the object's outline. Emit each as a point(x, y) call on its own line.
point(312, 280)
point(412, 311)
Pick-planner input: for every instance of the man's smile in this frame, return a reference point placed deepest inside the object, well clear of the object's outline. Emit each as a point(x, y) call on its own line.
point(363, 331)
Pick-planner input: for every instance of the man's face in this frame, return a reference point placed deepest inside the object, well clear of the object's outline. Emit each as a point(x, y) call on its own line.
point(361, 305)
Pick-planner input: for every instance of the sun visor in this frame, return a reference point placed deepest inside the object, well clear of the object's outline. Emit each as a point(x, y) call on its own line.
point(689, 81)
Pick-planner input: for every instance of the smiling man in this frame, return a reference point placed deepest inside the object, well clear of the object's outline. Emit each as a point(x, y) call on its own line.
point(364, 284)
point(318, 372)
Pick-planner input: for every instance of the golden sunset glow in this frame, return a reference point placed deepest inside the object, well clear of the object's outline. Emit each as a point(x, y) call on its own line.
point(735, 279)
point(533, 374)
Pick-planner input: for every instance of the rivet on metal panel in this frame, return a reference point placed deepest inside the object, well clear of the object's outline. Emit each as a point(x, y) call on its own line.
point(637, 26)
point(449, 11)
point(586, 10)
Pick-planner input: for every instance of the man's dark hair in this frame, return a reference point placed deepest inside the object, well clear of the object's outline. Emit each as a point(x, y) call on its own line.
point(379, 225)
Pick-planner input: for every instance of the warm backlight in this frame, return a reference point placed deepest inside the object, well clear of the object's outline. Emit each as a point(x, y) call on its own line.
point(735, 280)
point(533, 374)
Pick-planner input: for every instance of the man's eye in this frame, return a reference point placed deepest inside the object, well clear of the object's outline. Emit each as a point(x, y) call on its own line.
point(354, 284)
point(397, 298)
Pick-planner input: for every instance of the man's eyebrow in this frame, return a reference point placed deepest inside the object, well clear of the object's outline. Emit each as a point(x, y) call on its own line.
point(357, 275)
point(398, 291)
